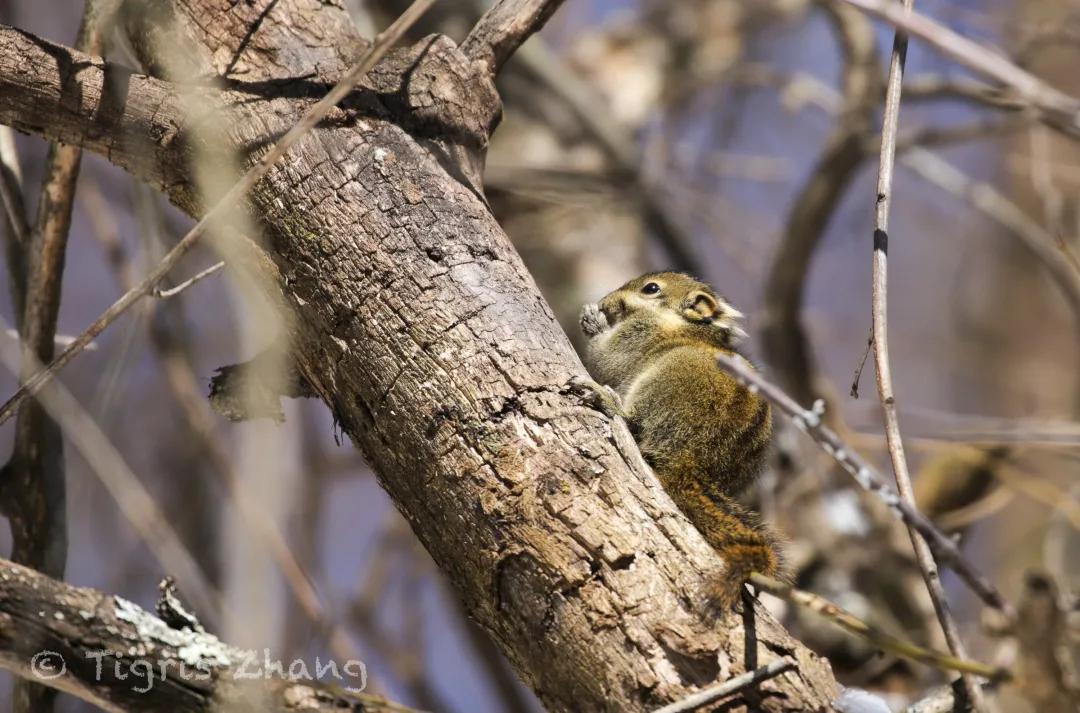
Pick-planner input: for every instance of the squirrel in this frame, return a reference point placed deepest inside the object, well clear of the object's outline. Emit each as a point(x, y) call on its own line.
point(654, 341)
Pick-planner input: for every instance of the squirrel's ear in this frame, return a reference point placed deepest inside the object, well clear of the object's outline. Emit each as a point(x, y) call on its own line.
point(700, 306)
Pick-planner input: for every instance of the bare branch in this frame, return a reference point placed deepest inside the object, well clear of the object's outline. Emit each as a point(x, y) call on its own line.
point(1060, 110)
point(504, 27)
point(17, 227)
point(34, 491)
point(173, 291)
point(729, 688)
point(123, 659)
point(132, 498)
point(881, 639)
point(869, 479)
point(984, 197)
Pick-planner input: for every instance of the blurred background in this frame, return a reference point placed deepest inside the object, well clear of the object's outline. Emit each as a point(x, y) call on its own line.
point(735, 139)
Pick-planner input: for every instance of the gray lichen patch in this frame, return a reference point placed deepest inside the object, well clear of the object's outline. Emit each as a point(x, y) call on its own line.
point(199, 650)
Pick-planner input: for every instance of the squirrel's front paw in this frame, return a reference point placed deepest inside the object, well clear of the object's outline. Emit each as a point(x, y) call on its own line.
point(593, 320)
point(598, 396)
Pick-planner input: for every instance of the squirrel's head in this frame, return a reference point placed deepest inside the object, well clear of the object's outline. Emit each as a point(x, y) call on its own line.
point(676, 300)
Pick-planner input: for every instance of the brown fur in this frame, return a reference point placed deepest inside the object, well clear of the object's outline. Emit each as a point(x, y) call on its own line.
point(704, 434)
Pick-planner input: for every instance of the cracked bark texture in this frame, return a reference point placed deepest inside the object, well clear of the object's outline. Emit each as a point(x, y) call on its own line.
point(418, 325)
point(108, 651)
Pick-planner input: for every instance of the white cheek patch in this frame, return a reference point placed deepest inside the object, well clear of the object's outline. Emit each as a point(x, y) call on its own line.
point(636, 301)
point(670, 320)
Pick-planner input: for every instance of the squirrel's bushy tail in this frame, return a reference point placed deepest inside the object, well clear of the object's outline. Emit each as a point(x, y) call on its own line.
point(737, 535)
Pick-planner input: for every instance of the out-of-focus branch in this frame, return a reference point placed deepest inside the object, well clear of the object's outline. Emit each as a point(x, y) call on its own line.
point(881, 639)
point(869, 479)
point(1047, 673)
point(181, 380)
point(198, 277)
point(930, 167)
point(16, 225)
point(933, 136)
point(787, 349)
point(134, 501)
point(1059, 109)
point(234, 196)
point(33, 484)
point(504, 27)
point(997, 206)
point(32, 489)
point(587, 106)
point(119, 657)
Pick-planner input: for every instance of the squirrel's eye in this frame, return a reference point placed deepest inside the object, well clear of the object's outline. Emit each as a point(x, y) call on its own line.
point(651, 288)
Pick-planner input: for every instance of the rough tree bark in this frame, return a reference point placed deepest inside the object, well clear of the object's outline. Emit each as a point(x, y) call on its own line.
point(420, 328)
point(87, 643)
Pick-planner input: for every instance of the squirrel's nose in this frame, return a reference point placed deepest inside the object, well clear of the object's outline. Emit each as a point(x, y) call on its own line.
point(613, 308)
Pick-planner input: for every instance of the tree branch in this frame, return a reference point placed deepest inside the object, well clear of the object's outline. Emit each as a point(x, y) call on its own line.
point(114, 654)
point(1059, 109)
point(503, 28)
point(130, 118)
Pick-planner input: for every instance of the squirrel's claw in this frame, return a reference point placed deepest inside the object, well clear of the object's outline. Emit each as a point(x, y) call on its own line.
point(598, 396)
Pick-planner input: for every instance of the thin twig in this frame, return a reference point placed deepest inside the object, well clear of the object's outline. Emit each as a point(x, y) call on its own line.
point(171, 292)
point(182, 381)
point(883, 640)
point(62, 340)
point(236, 194)
point(728, 688)
point(869, 479)
point(859, 369)
point(135, 502)
point(1061, 110)
point(880, 336)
